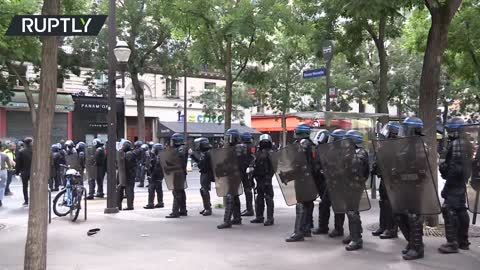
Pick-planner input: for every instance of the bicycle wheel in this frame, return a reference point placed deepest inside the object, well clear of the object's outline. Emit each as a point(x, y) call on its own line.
point(60, 207)
point(76, 204)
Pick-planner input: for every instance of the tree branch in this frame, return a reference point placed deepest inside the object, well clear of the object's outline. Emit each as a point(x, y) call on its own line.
point(244, 65)
point(372, 32)
point(150, 51)
point(28, 93)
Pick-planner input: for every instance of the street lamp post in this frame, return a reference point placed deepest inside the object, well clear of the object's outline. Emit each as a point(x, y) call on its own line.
point(121, 53)
point(328, 48)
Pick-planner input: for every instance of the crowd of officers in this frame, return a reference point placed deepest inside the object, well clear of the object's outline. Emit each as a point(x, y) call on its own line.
point(138, 161)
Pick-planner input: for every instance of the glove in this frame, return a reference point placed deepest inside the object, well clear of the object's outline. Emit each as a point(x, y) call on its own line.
point(249, 170)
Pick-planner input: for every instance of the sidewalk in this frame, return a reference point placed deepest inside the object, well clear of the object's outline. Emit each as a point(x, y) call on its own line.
point(144, 239)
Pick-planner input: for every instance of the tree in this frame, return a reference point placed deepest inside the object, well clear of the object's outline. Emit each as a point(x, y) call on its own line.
point(354, 22)
point(230, 34)
point(36, 244)
point(213, 100)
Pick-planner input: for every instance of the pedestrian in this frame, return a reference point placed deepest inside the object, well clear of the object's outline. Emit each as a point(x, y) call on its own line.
point(23, 166)
point(5, 164)
point(11, 151)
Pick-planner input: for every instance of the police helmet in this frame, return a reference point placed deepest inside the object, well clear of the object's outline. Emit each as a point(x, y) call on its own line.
point(321, 137)
point(177, 139)
point(337, 135)
point(265, 141)
point(232, 136)
point(355, 135)
point(302, 131)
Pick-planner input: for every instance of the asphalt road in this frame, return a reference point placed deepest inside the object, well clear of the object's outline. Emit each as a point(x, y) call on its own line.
point(144, 239)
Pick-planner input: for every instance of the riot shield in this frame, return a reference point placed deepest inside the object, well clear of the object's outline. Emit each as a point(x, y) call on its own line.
point(345, 184)
point(73, 161)
point(294, 175)
point(471, 165)
point(407, 175)
point(172, 162)
point(226, 169)
point(90, 163)
point(121, 173)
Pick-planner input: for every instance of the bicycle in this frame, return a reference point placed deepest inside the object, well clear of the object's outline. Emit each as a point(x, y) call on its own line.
point(69, 199)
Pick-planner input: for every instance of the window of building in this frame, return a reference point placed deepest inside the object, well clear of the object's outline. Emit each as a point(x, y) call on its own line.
point(210, 85)
point(172, 88)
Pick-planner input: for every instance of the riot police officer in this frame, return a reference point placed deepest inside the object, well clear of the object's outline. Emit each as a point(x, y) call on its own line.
point(456, 171)
point(140, 156)
point(388, 229)
point(361, 172)
point(247, 181)
point(156, 177)
point(81, 154)
point(303, 210)
point(323, 208)
point(101, 168)
point(179, 207)
point(201, 155)
point(126, 162)
point(54, 182)
point(232, 202)
point(411, 224)
point(145, 165)
point(339, 218)
point(263, 173)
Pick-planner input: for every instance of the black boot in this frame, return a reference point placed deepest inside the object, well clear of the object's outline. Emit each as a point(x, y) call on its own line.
point(382, 225)
point(183, 203)
point(227, 223)
point(416, 250)
point(175, 207)
point(237, 215)
point(259, 209)
point(338, 231)
point(463, 225)
point(391, 230)
point(249, 203)
point(323, 218)
point(451, 229)
point(207, 206)
point(270, 210)
point(390, 234)
point(355, 226)
point(297, 233)
point(307, 220)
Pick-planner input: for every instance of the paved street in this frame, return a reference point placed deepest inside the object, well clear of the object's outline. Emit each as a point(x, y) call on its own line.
point(144, 239)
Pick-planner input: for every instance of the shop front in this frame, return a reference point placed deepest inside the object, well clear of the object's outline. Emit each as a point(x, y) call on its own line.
point(213, 131)
point(90, 118)
point(16, 120)
point(272, 124)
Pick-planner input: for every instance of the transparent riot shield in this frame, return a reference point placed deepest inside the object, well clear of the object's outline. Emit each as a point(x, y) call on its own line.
point(172, 162)
point(294, 175)
point(471, 166)
point(407, 175)
point(73, 161)
point(345, 180)
point(226, 169)
point(122, 172)
point(90, 163)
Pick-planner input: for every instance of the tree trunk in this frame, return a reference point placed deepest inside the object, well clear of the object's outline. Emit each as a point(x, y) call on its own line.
point(140, 98)
point(36, 244)
point(382, 102)
point(229, 83)
point(361, 106)
point(284, 129)
point(430, 79)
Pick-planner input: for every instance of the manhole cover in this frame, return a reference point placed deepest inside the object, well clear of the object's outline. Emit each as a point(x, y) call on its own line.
point(2, 226)
point(434, 231)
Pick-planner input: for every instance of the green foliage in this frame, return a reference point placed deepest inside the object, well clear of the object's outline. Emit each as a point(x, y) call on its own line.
point(213, 101)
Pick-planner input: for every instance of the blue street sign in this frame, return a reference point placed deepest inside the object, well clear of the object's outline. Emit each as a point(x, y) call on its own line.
point(313, 73)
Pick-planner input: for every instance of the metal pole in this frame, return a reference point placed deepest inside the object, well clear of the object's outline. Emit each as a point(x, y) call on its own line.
point(185, 133)
point(112, 113)
point(327, 97)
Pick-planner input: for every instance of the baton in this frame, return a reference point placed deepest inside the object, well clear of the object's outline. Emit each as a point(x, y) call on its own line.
point(475, 208)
